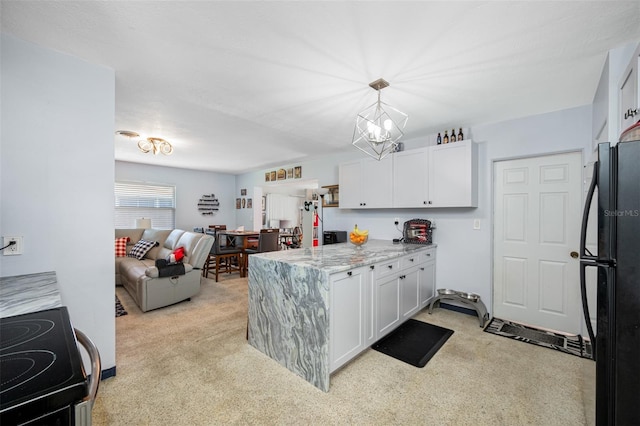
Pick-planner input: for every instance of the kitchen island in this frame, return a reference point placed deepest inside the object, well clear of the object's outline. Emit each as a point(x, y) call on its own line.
point(315, 309)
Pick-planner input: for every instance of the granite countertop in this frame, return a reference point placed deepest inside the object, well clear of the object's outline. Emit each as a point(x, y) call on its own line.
point(334, 258)
point(22, 294)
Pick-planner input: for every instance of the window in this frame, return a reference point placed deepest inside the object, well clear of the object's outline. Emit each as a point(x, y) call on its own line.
point(142, 200)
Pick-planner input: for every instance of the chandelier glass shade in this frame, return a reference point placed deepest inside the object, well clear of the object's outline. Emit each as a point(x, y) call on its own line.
point(150, 144)
point(379, 127)
point(155, 145)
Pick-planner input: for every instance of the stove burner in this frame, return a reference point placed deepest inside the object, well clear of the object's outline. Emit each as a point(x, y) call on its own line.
point(17, 368)
point(41, 369)
point(19, 332)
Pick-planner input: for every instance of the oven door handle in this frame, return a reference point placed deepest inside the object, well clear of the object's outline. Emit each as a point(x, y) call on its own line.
point(96, 365)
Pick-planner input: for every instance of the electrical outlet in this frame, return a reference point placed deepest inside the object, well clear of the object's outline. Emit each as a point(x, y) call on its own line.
point(396, 220)
point(14, 248)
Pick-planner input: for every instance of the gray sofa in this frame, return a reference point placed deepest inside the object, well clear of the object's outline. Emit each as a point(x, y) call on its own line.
point(141, 277)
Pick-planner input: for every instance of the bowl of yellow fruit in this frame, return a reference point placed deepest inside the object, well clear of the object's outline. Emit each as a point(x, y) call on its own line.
point(358, 237)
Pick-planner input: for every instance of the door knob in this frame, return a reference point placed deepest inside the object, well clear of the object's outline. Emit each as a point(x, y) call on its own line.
point(574, 254)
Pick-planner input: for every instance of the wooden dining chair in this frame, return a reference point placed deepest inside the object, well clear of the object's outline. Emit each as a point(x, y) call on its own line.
point(268, 240)
point(227, 259)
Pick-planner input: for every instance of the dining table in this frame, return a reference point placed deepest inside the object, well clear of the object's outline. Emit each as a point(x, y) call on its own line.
point(240, 239)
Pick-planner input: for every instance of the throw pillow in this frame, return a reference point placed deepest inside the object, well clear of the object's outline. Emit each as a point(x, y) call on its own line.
point(176, 256)
point(121, 246)
point(141, 248)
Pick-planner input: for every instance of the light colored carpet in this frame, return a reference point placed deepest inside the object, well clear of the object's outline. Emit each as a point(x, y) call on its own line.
point(189, 364)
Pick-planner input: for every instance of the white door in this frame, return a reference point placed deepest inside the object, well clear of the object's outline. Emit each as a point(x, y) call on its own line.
point(537, 214)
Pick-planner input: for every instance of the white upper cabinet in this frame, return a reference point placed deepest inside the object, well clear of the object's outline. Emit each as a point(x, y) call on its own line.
point(453, 175)
point(437, 176)
point(411, 178)
point(366, 183)
point(628, 94)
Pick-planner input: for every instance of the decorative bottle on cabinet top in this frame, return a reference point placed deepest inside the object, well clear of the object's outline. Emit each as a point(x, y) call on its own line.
point(439, 139)
point(460, 136)
point(445, 139)
point(453, 135)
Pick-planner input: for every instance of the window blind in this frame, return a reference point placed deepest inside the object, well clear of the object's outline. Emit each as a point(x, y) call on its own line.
point(142, 200)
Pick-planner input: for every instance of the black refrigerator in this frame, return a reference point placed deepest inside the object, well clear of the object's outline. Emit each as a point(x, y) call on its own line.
point(617, 334)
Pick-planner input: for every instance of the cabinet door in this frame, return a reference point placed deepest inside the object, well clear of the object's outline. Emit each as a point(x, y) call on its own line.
point(628, 95)
point(366, 184)
point(452, 175)
point(409, 293)
point(411, 178)
point(427, 280)
point(349, 180)
point(370, 297)
point(347, 312)
point(388, 312)
point(377, 183)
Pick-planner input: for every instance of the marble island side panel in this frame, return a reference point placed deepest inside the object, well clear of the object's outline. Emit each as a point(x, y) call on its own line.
point(289, 317)
point(289, 301)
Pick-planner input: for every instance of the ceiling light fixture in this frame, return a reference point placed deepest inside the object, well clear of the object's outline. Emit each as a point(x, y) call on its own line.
point(150, 144)
point(379, 127)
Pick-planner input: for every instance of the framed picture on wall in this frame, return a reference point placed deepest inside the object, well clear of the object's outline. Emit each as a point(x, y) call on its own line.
point(243, 192)
point(273, 175)
point(249, 203)
point(267, 177)
point(244, 202)
point(282, 174)
point(290, 173)
point(264, 203)
point(297, 172)
point(238, 203)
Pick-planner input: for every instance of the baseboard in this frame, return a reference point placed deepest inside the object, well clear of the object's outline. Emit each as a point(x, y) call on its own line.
point(109, 372)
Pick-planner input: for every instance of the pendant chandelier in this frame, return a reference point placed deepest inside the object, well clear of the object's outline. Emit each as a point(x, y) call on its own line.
point(150, 144)
point(379, 127)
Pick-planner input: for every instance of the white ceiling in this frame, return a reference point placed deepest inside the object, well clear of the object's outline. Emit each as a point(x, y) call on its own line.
point(245, 85)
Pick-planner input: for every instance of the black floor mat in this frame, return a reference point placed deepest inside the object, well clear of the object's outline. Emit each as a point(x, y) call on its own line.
point(414, 342)
point(570, 344)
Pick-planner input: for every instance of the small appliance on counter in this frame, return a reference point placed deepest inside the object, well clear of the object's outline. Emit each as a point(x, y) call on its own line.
point(42, 379)
point(418, 231)
point(334, 237)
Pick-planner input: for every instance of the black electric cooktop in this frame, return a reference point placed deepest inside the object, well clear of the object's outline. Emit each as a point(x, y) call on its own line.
point(40, 366)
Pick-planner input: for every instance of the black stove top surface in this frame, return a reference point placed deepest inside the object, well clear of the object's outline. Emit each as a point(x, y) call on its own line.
point(40, 365)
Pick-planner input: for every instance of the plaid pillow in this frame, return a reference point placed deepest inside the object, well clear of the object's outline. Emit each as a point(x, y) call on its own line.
point(141, 248)
point(121, 246)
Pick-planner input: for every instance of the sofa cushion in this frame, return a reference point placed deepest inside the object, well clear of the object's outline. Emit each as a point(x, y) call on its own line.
point(141, 248)
point(121, 246)
point(159, 235)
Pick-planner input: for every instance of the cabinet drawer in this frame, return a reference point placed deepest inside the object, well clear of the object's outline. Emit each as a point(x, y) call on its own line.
point(385, 269)
point(411, 260)
point(428, 255)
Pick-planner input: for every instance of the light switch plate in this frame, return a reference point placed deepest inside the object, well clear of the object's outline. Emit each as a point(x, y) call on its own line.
point(476, 224)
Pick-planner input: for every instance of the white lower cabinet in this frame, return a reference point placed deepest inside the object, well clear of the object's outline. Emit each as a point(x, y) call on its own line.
point(369, 302)
point(409, 286)
point(347, 292)
point(427, 277)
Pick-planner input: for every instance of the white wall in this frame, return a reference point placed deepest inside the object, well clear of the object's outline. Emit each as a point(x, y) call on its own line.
point(190, 186)
point(464, 254)
point(57, 179)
